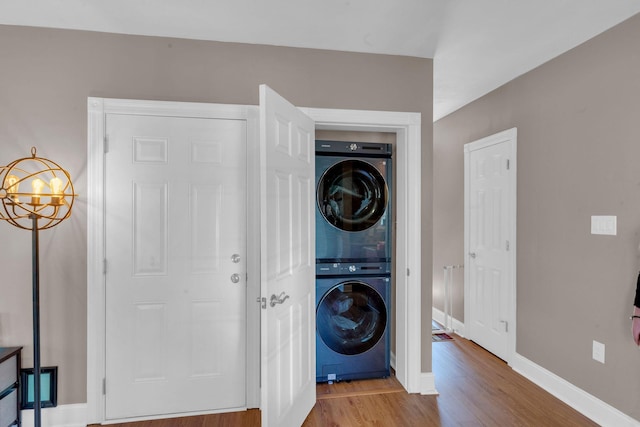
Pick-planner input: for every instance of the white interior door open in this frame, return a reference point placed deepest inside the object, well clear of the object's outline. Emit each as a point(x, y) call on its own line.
point(490, 219)
point(287, 144)
point(175, 227)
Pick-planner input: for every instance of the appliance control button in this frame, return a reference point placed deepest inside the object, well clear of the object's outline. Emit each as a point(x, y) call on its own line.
point(352, 268)
point(353, 147)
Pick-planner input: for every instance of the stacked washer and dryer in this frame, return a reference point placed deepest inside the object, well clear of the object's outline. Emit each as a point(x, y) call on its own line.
point(353, 260)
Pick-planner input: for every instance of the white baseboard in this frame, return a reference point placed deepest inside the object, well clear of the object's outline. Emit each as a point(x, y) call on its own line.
point(428, 383)
point(456, 325)
point(588, 405)
point(61, 416)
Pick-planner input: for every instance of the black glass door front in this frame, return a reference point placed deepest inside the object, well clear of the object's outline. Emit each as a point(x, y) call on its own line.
point(351, 318)
point(352, 195)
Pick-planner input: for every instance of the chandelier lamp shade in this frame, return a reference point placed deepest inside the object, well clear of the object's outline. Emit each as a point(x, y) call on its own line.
point(35, 194)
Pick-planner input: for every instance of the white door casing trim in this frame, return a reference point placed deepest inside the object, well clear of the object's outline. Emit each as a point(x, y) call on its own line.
point(407, 127)
point(510, 136)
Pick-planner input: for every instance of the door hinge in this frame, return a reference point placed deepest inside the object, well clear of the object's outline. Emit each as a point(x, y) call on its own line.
point(106, 144)
point(506, 325)
point(104, 266)
point(508, 164)
point(104, 386)
point(507, 245)
point(408, 272)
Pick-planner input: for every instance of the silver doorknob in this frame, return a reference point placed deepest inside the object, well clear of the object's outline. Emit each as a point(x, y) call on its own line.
point(235, 258)
point(278, 299)
point(235, 278)
point(472, 254)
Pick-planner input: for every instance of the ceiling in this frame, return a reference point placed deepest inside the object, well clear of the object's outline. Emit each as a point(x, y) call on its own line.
point(477, 45)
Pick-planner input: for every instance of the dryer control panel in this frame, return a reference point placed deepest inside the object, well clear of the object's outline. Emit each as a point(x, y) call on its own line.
point(353, 268)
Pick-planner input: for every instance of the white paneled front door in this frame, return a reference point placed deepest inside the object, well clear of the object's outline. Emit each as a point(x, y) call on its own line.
point(175, 227)
point(490, 242)
point(287, 141)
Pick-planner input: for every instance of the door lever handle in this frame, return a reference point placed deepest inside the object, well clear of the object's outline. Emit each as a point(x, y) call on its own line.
point(278, 299)
point(472, 254)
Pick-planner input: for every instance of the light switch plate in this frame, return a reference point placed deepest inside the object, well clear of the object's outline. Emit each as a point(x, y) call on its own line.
point(598, 351)
point(604, 224)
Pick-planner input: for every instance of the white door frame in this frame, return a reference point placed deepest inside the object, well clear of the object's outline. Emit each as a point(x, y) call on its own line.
point(507, 136)
point(407, 127)
point(98, 108)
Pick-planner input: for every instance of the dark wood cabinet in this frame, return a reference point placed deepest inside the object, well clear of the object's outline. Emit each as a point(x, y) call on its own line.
point(10, 386)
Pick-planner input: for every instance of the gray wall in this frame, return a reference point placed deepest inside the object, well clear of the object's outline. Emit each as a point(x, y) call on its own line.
point(45, 78)
point(578, 120)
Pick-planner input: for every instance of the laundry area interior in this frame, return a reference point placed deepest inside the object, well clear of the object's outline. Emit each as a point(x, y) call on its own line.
point(354, 255)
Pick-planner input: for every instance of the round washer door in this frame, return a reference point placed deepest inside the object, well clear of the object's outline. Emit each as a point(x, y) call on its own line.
point(352, 195)
point(351, 318)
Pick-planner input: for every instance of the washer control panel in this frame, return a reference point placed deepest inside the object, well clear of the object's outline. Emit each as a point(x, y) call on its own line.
point(354, 268)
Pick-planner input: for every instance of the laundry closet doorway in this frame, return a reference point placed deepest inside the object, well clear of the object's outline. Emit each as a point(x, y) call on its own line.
point(376, 138)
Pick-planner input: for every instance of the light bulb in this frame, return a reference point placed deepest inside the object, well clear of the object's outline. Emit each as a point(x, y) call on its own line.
point(56, 186)
point(56, 190)
point(12, 183)
point(36, 186)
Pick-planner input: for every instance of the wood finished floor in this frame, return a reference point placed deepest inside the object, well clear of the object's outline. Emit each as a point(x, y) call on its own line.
point(476, 389)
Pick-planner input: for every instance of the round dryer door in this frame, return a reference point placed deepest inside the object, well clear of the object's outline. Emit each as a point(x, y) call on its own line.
point(351, 318)
point(352, 195)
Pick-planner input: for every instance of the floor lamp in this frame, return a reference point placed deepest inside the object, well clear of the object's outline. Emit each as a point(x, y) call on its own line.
point(47, 204)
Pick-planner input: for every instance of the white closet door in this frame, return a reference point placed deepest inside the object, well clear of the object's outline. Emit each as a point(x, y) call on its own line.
point(288, 262)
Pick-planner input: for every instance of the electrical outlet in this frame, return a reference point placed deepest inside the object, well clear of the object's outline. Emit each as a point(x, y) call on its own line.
point(598, 351)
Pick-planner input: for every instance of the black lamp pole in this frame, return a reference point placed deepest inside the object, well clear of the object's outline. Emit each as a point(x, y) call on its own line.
point(36, 321)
